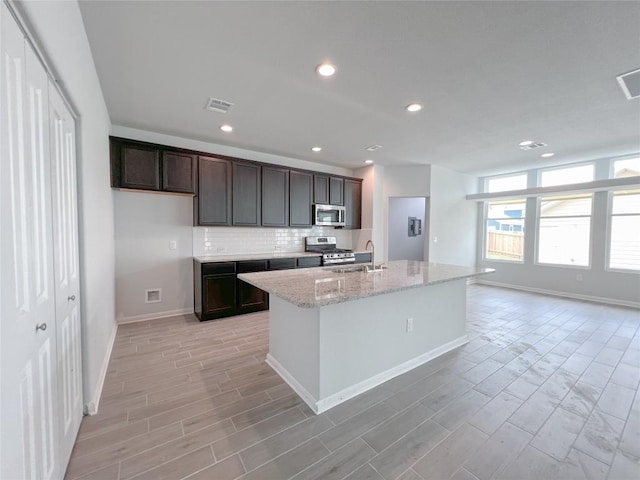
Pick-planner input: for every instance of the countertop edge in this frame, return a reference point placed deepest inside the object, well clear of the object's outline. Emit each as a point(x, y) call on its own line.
point(332, 301)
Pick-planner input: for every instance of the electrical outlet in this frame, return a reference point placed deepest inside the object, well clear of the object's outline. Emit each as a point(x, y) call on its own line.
point(579, 277)
point(409, 325)
point(173, 244)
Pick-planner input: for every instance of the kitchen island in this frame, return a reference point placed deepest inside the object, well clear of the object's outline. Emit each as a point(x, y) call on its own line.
point(336, 332)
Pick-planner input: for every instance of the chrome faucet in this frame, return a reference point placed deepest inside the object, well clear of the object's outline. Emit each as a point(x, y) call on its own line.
point(373, 252)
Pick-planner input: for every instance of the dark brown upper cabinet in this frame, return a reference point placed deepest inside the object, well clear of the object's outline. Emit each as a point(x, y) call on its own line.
point(336, 190)
point(213, 203)
point(178, 172)
point(328, 190)
point(352, 203)
point(145, 166)
point(300, 198)
point(275, 197)
point(246, 194)
point(321, 189)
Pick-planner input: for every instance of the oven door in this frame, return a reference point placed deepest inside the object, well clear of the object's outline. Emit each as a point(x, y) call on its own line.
point(329, 215)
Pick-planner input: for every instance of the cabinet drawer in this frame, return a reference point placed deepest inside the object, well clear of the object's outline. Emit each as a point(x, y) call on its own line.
point(282, 263)
point(218, 268)
point(248, 266)
point(304, 262)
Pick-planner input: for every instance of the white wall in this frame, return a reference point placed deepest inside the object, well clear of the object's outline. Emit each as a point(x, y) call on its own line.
point(401, 245)
point(372, 209)
point(59, 31)
point(452, 218)
point(405, 181)
point(145, 223)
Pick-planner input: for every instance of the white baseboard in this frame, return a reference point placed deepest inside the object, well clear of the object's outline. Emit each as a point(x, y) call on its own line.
point(576, 296)
point(153, 316)
point(91, 407)
point(324, 404)
point(293, 383)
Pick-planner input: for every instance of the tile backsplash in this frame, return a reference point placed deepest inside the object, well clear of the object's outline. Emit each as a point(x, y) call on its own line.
point(231, 240)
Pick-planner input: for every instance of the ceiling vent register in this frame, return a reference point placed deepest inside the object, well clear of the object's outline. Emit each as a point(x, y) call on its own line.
point(217, 105)
point(533, 146)
point(630, 84)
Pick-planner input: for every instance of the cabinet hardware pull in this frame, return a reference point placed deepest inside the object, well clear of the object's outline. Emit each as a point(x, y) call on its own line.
point(71, 298)
point(42, 326)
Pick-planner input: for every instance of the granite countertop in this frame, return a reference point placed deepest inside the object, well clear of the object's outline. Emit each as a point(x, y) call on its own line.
point(237, 257)
point(317, 287)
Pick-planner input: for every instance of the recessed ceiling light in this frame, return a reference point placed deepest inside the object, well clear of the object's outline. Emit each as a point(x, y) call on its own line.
point(413, 107)
point(316, 149)
point(226, 128)
point(368, 162)
point(326, 69)
point(526, 143)
point(547, 155)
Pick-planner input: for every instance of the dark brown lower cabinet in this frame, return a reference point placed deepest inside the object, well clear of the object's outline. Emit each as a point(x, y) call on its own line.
point(214, 287)
point(250, 298)
point(219, 293)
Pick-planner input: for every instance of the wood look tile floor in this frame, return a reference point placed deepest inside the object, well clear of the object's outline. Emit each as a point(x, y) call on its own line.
point(547, 388)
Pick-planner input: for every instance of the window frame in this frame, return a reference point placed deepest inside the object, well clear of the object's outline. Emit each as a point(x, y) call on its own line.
point(538, 222)
point(565, 167)
point(485, 231)
point(485, 186)
point(609, 232)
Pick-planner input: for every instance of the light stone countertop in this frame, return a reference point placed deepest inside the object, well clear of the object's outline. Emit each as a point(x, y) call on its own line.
point(320, 286)
point(237, 257)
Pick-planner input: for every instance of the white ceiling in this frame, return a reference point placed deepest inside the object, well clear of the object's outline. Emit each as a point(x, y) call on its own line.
point(490, 75)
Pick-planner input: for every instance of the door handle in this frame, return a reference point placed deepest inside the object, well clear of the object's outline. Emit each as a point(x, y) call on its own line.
point(42, 326)
point(71, 298)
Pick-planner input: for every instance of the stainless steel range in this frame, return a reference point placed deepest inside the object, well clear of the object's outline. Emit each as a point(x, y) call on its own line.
point(330, 254)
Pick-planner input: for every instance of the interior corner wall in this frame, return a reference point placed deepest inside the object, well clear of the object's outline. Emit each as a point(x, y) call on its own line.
point(405, 181)
point(372, 209)
point(58, 29)
point(452, 218)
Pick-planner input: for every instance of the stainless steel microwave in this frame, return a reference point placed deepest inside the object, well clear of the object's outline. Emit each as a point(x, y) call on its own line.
point(329, 215)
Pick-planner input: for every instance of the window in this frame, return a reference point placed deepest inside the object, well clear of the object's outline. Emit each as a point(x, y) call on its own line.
point(626, 168)
point(504, 184)
point(624, 247)
point(567, 176)
point(505, 230)
point(565, 230)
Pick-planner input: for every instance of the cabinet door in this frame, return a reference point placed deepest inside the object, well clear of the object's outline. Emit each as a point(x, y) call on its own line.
point(336, 187)
point(320, 189)
point(352, 203)
point(250, 298)
point(218, 296)
point(178, 172)
point(300, 194)
point(213, 203)
point(246, 194)
point(139, 166)
point(275, 197)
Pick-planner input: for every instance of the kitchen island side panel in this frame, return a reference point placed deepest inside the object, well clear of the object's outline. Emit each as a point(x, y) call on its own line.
point(294, 346)
point(366, 340)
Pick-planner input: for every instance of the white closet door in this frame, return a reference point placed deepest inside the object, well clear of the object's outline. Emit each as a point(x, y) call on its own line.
point(29, 402)
point(67, 280)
